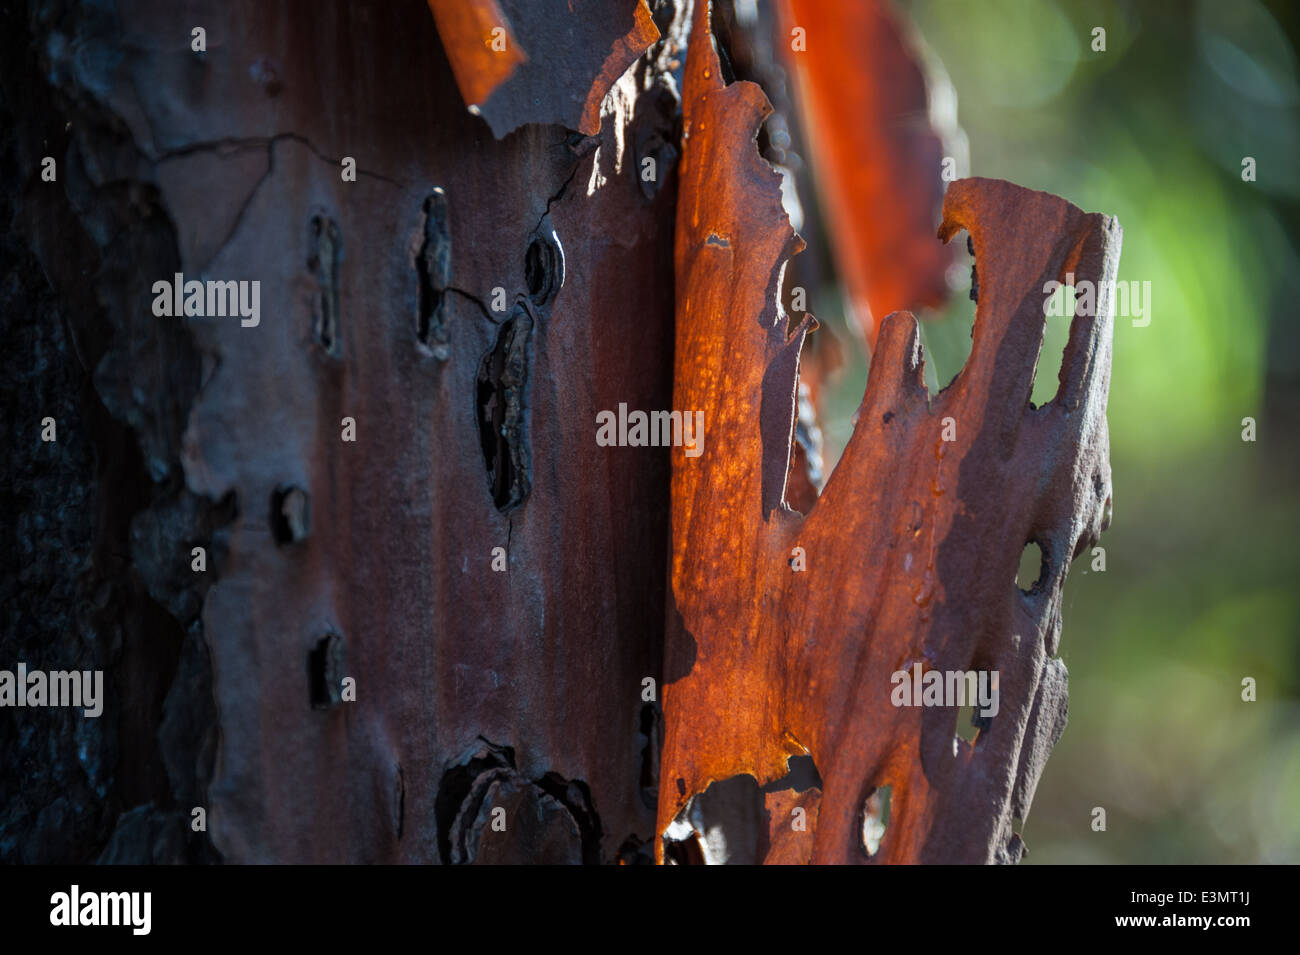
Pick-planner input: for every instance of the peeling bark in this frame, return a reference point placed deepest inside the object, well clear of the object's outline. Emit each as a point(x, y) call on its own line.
point(430, 600)
point(546, 62)
point(878, 173)
point(912, 548)
point(368, 559)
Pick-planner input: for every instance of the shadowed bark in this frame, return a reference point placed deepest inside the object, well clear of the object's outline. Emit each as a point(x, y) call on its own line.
point(364, 585)
point(468, 303)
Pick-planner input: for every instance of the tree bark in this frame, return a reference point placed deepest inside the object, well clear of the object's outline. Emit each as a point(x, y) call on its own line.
point(785, 628)
point(329, 559)
point(362, 582)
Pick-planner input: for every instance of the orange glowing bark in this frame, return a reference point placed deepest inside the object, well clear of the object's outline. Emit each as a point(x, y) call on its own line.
point(877, 157)
point(468, 29)
point(784, 630)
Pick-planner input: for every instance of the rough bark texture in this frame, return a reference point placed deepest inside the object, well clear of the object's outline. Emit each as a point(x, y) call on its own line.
point(429, 594)
point(911, 550)
point(368, 559)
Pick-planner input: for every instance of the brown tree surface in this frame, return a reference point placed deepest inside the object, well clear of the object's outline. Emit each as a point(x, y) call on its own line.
point(785, 629)
point(359, 576)
point(327, 558)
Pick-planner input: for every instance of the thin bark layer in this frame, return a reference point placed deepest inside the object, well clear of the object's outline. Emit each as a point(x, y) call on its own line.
point(785, 629)
point(520, 61)
point(877, 147)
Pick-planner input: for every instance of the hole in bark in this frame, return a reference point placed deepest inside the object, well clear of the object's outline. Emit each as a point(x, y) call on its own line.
point(544, 268)
point(686, 850)
point(575, 796)
point(290, 514)
point(967, 729)
point(326, 664)
point(433, 266)
point(727, 823)
point(456, 785)
point(875, 818)
point(1032, 573)
point(801, 776)
point(489, 779)
point(1059, 313)
point(501, 409)
point(326, 255)
point(947, 343)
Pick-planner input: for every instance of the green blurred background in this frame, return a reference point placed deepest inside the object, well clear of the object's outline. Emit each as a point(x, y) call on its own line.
point(1201, 563)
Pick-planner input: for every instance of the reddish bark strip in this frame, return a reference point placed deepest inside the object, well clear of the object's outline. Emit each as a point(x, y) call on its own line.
point(911, 551)
point(520, 61)
point(878, 159)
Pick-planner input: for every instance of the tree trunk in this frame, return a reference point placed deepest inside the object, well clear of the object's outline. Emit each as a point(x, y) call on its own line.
point(490, 579)
point(366, 583)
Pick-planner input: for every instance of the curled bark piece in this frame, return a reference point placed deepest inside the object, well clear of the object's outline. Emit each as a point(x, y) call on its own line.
point(467, 29)
point(519, 61)
point(785, 630)
point(876, 149)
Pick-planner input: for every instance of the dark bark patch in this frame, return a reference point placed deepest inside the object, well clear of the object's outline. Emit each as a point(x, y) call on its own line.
point(326, 664)
point(324, 261)
point(501, 405)
point(433, 266)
